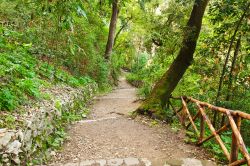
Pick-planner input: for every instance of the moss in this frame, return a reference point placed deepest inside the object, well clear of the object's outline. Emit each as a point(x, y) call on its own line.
point(150, 106)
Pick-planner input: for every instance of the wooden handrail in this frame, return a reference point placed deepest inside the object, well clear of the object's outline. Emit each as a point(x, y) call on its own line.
point(215, 108)
point(234, 123)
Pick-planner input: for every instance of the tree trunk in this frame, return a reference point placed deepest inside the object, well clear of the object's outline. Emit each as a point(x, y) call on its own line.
point(112, 29)
point(166, 85)
point(231, 75)
point(230, 83)
point(121, 29)
point(228, 54)
point(226, 61)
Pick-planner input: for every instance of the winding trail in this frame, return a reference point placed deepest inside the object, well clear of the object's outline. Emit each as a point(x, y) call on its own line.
point(110, 137)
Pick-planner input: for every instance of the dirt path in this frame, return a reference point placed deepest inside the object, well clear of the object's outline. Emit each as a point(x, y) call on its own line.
point(109, 133)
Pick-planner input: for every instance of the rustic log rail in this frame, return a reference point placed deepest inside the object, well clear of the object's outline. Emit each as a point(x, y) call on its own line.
point(234, 123)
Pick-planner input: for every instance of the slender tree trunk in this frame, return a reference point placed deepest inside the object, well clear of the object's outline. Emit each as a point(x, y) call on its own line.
point(166, 85)
point(230, 81)
point(226, 61)
point(112, 29)
point(228, 54)
point(121, 29)
point(118, 33)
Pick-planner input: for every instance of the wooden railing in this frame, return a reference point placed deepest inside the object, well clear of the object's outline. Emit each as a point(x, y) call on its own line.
point(233, 123)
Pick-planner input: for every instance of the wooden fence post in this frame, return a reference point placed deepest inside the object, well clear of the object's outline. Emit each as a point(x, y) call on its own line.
point(212, 129)
point(235, 145)
point(186, 111)
point(202, 128)
point(238, 137)
point(234, 121)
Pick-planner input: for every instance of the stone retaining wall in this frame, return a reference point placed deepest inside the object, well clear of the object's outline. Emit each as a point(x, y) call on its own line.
point(33, 128)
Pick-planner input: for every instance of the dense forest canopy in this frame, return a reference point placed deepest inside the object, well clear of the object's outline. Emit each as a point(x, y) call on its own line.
point(78, 41)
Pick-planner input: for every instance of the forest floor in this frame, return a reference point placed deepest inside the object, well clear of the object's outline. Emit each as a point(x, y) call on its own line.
point(110, 136)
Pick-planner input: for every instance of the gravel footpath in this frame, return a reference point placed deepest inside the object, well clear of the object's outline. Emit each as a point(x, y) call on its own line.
point(110, 134)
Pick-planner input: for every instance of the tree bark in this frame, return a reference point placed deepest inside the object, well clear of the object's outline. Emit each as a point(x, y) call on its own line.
point(112, 29)
point(166, 85)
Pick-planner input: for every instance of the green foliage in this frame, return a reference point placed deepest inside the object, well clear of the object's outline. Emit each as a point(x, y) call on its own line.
point(117, 62)
point(70, 35)
point(137, 72)
point(160, 36)
point(47, 42)
point(55, 141)
point(18, 76)
point(139, 63)
point(8, 99)
point(23, 76)
point(29, 87)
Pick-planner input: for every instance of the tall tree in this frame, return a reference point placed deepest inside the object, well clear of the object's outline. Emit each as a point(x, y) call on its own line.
point(228, 54)
point(165, 86)
point(112, 29)
point(230, 79)
point(222, 76)
point(231, 74)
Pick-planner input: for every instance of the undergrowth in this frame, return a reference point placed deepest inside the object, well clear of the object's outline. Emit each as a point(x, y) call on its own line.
point(22, 75)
